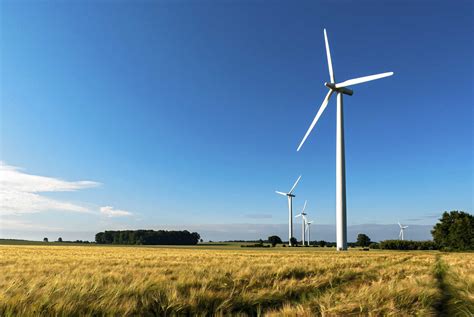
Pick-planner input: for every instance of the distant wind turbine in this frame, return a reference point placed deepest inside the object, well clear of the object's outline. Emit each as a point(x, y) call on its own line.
point(303, 222)
point(290, 209)
point(340, 89)
point(402, 229)
point(308, 227)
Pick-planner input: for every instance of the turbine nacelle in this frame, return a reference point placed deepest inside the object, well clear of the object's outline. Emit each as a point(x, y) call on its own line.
point(342, 90)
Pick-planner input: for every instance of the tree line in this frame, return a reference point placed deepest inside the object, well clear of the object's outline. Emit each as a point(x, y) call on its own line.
point(408, 245)
point(453, 232)
point(148, 237)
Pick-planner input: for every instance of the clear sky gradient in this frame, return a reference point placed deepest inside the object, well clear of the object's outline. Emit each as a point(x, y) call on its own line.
point(190, 112)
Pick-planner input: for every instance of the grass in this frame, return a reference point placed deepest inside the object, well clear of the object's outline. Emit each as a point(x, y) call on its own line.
point(212, 280)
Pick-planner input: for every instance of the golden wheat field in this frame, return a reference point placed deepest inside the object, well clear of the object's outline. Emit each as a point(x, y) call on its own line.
point(139, 281)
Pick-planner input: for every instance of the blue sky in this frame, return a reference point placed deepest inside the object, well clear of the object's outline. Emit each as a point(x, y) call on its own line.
point(190, 112)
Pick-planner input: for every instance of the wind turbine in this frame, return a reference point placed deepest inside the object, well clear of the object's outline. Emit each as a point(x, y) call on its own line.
point(303, 222)
point(290, 209)
point(402, 229)
point(308, 226)
point(340, 89)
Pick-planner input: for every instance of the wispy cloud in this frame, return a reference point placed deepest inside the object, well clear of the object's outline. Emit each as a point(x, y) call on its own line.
point(424, 217)
point(258, 216)
point(20, 192)
point(433, 215)
point(110, 211)
point(15, 179)
point(21, 225)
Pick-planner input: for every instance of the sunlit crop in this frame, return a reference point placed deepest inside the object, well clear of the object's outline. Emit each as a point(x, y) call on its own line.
point(95, 280)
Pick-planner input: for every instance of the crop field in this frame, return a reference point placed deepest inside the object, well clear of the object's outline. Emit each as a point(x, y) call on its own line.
point(137, 281)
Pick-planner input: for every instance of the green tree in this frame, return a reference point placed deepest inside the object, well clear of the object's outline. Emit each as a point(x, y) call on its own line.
point(293, 241)
point(363, 240)
point(274, 240)
point(455, 230)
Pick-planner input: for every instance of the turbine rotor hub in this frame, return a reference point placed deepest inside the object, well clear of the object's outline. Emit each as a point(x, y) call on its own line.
point(342, 90)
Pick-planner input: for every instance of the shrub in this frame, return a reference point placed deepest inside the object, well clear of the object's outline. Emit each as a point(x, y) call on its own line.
point(407, 245)
point(255, 245)
point(374, 245)
point(293, 241)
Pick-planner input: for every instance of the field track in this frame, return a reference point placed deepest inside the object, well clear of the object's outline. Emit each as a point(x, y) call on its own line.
point(38, 280)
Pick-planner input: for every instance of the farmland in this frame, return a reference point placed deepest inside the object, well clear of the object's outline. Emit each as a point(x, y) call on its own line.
point(101, 280)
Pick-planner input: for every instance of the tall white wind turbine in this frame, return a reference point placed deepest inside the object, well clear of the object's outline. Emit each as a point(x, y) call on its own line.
point(402, 229)
point(303, 222)
point(290, 209)
point(340, 89)
point(308, 228)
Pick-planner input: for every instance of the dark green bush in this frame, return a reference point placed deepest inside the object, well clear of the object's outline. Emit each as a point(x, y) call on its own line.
point(407, 245)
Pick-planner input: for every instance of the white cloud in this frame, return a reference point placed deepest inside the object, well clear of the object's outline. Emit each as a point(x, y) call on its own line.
point(19, 192)
point(111, 212)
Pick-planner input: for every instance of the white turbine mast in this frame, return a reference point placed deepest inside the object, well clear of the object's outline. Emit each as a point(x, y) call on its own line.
point(303, 222)
point(340, 89)
point(290, 209)
point(308, 229)
point(402, 229)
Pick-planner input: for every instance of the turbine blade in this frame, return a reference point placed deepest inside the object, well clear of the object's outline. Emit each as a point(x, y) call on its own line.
point(293, 188)
point(360, 80)
point(298, 216)
point(328, 54)
point(281, 193)
point(320, 111)
point(304, 207)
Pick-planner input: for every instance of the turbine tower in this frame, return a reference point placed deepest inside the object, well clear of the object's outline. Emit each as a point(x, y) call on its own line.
point(402, 229)
point(303, 222)
point(290, 209)
point(340, 89)
point(308, 227)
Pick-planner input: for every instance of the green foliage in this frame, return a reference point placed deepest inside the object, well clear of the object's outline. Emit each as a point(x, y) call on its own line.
point(150, 237)
point(293, 241)
point(322, 243)
point(255, 245)
point(454, 231)
point(363, 240)
point(407, 245)
point(274, 240)
point(374, 245)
